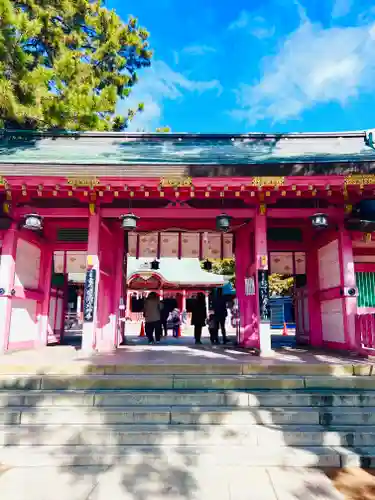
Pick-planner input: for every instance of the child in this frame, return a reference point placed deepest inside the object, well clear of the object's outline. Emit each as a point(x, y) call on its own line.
point(176, 321)
point(213, 328)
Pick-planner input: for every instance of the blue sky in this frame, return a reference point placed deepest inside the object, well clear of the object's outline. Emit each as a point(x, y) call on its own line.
point(256, 65)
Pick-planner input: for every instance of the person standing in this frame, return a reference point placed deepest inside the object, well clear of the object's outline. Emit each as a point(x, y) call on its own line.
point(199, 316)
point(220, 311)
point(176, 321)
point(164, 317)
point(152, 315)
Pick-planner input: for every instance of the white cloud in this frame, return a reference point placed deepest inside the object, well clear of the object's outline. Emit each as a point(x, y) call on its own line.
point(255, 25)
point(314, 66)
point(341, 8)
point(198, 50)
point(158, 84)
point(242, 21)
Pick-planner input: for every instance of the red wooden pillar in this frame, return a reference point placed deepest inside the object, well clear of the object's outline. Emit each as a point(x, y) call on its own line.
point(348, 283)
point(7, 274)
point(93, 262)
point(119, 293)
point(45, 285)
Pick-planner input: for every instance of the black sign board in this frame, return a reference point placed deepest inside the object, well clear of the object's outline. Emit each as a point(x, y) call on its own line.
point(89, 296)
point(263, 291)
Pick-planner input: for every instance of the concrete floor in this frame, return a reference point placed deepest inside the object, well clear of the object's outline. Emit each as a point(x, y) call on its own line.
point(165, 481)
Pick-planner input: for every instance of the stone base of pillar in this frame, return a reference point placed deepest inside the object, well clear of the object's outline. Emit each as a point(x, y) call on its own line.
point(265, 336)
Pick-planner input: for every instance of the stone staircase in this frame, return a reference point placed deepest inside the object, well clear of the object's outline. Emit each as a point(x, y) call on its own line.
point(281, 415)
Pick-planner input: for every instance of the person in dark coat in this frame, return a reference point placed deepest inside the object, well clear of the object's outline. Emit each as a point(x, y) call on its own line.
point(220, 311)
point(199, 316)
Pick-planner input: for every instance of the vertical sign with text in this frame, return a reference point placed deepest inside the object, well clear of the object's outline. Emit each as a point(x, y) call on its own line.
point(89, 296)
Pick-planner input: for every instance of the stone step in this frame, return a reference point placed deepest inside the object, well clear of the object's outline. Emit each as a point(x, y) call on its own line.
point(198, 415)
point(159, 382)
point(109, 398)
point(202, 457)
point(273, 368)
point(187, 435)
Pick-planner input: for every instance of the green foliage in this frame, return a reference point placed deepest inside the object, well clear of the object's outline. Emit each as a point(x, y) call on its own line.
point(163, 130)
point(280, 285)
point(224, 267)
point(64, 64)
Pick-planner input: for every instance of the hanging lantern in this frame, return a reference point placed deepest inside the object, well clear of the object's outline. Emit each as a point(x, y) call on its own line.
point(319, 221)
point(33, 222)
point(207, 265)
point(223, 222)
point(129, 222)
point(155, 264)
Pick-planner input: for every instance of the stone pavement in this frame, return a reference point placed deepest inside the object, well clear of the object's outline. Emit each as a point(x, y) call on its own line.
point(143, 481)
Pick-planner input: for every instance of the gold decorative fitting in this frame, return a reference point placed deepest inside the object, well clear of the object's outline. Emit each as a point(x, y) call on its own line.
point(40, 187)
point(90, 182)
point(328, 187)
point(348, 209)
point(237, 194)
point(147, 194)
point(298, 193)
point(252, 193)
point(162, 194)
point(6, 207)
point(177, 194)
point(242, 188)
point(262, 209)
point(115, 194)
point(39, 192)
point(226, 188)
point(313, 192)
point(294, 187)
point(57, 187)
point(142, 188)
point(268, 193)
point(92, 208)
point(222, 194)
point(101, 193)
point(125, 187)
point(54, 192)
point(131, 194)
point(367, 237)
point(192, 194)
point(311, 187)
point(24, 193)
point(267, 181)
point(283, 193)
point(207, 194)
point(8, 195)
point(108, 187)
point(176, 182)
point(3, 181)
point(329, 193)
point(70, 193)
point(209, 188)
point(85, 193)
point(359, 180)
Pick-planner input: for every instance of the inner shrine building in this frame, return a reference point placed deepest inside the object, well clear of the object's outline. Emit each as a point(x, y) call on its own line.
point(296, 204)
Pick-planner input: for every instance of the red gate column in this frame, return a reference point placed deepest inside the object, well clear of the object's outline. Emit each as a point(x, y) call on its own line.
point(45, 282)
point(261, 280)
point(245, 289)
point(348, 283)
point(90, 302)
point(7, 270)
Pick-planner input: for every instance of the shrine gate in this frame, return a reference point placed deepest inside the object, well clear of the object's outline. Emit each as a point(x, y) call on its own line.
point(296, 204)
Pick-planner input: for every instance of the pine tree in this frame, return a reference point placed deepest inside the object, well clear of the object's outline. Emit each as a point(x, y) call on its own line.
point(64, 64)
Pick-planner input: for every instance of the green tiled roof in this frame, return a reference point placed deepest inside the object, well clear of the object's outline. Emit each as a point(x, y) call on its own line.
point(178, 149)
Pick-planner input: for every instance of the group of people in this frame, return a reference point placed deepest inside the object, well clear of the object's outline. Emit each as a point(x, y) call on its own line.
point(157, 316)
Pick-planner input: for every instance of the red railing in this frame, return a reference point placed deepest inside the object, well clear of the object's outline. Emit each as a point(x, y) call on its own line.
point(365, 331)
